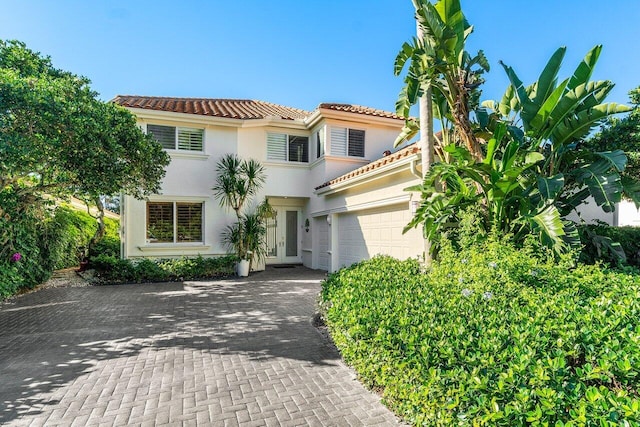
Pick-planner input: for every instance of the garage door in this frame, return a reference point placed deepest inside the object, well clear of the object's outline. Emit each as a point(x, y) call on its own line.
point(323, 242)
point(366, 233)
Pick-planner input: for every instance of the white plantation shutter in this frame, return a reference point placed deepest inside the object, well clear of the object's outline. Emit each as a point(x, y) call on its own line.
point(189, 222)
point(190, 139)
point(276, 146)
point(159, 222)
point(338, 141)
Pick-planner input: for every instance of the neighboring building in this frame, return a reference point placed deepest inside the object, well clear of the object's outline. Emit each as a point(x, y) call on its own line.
point(338, 198)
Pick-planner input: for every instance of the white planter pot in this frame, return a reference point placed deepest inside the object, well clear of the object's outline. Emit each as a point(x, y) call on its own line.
point(243, 268)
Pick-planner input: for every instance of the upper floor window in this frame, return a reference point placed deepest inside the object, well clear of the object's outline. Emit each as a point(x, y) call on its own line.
point(319, 136)
point(174, 222)
point(288, 148)
point(178, 138)
point(347, 142)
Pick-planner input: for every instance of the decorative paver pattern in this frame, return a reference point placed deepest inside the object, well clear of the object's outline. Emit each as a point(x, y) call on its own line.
point(221, 353)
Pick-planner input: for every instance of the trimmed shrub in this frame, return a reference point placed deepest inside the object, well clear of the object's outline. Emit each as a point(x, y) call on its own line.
point(113, 270)
point(492, 335)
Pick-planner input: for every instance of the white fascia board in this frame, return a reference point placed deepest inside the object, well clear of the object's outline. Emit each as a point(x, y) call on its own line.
point(389, 201)
point(347, 116)
point(145, 115)
point(378, 173)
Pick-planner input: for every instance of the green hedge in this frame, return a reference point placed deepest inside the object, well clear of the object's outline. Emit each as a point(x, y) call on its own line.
point(46, 237)
point(492, 335)
point(112, 270)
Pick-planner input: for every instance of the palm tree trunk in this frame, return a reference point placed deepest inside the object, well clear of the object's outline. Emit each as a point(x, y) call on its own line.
point(426, 143)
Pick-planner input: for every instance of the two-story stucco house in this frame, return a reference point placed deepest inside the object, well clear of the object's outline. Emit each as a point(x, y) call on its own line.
point(337, 189)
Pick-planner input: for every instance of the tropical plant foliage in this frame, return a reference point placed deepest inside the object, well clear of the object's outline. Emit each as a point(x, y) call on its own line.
point(237, 182)
point(438, 61)
point(623, 134)
point(532, 171)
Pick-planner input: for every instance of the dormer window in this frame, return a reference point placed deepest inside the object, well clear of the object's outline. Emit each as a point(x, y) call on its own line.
point(347, 142)
point(287, 148)
point(177, 138)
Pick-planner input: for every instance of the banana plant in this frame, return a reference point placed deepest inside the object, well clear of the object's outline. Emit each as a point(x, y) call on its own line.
point(439, 62)
point(514, 199)
point(556, 117)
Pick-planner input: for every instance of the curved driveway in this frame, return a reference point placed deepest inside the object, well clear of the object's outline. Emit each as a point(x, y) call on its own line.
point(221, 353)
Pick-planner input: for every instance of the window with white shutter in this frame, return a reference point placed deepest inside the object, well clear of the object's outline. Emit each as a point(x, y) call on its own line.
point(277, 146)
point(190, 139)
point(338, 141)
point(173, 138)
point(174, 222)
point(347, 142)
point(288, 148)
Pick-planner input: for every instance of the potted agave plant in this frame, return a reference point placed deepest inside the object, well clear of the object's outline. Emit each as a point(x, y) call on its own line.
point(237, 183)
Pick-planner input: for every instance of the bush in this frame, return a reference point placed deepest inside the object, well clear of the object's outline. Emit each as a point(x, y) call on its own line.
point(22, 227)
point(113, 270)
point(594, 250)
point(492, 335)
point(67, 232)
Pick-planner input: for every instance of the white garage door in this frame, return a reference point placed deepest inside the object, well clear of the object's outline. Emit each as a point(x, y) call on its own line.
point(364, 234)
point(323, 243)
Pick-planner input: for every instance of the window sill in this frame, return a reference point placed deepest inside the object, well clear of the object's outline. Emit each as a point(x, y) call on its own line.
point(300, 165)
point(162, 247)
point(187, 155)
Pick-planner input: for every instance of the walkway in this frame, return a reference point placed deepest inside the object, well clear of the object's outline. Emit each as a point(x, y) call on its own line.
point(223, 353)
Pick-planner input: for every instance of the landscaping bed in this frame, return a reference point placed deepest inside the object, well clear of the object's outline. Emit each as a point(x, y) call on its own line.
point(492, 335)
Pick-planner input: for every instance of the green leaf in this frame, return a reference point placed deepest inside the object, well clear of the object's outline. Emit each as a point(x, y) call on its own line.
point(617, 158)
point(583, 73)
point(579, 125)
point(548, 78)
point(631, 188)
point(551, 228)
point(550, 187)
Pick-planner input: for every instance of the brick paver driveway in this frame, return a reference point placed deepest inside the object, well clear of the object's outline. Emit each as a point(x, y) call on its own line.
point(200, 353)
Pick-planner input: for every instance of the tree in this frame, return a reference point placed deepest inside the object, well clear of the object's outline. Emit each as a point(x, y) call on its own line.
point(438, 62)
point(237, 182)
point(58, 139)
point(623, 134)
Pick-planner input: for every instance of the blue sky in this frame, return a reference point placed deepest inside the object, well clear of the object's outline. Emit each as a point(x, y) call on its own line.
point(302, 53)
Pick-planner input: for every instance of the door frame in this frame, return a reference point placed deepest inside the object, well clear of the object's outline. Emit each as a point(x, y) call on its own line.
point(281, 236)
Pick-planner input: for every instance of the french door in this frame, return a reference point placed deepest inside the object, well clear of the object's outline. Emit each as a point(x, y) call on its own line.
point(283, 243)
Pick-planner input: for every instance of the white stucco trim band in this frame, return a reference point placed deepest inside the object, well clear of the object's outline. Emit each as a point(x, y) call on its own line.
point(174, 246)
point(403, 198)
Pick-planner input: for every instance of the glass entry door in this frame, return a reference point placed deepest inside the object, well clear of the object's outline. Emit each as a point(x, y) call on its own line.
point(283, 246)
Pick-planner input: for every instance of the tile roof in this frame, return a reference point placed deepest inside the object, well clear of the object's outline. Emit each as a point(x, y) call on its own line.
point(359, 109)
point(376, 164)
point(243, 109)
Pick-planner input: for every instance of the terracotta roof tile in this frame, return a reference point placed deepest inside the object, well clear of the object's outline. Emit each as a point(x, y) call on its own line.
point(376, 164)
point(359, 109)
point(243, 109)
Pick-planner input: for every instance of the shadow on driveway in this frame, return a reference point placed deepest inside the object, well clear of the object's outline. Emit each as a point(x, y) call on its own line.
point(130, 341)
